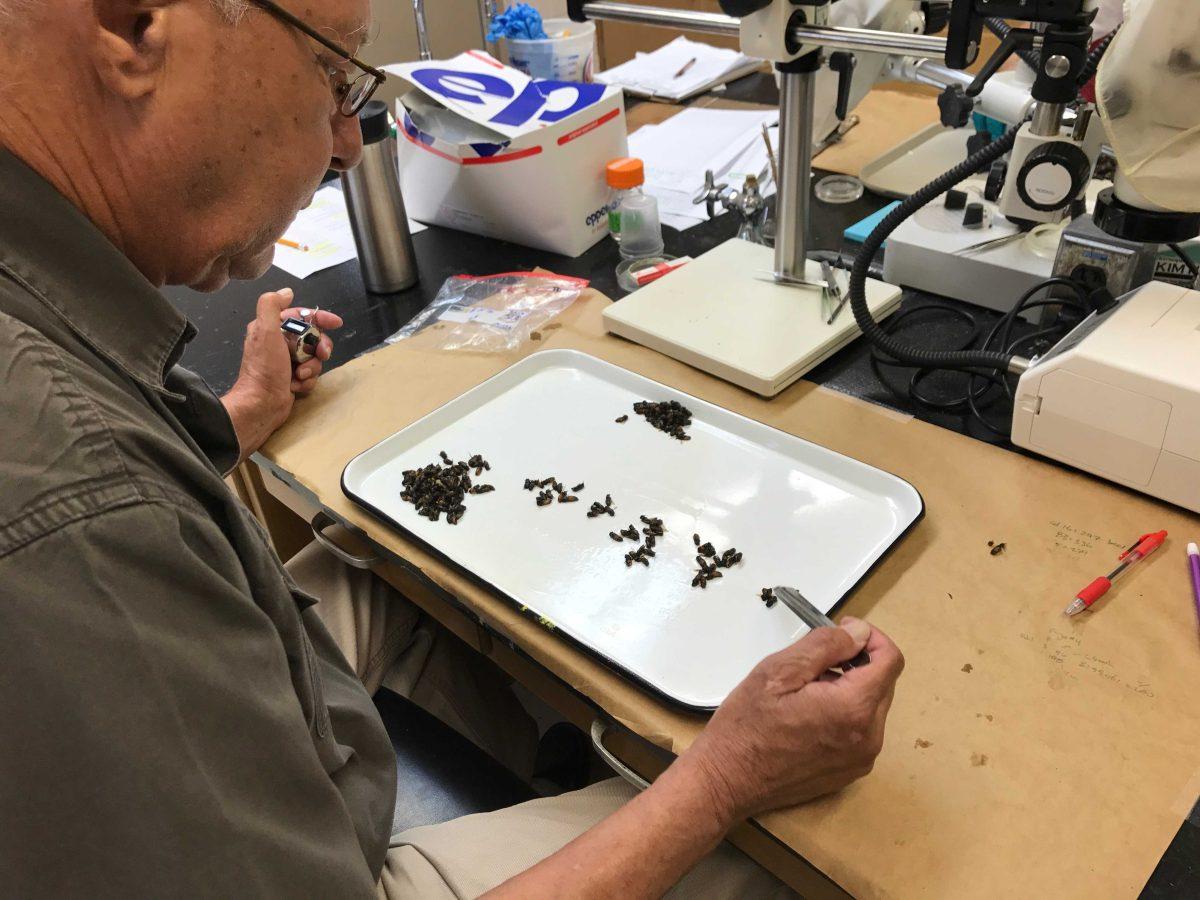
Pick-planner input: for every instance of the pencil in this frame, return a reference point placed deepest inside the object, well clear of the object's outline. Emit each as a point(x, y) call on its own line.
point(285, 242)
point(686, 66)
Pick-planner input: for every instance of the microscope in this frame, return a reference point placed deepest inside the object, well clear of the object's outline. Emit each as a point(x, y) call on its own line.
point(756, 316)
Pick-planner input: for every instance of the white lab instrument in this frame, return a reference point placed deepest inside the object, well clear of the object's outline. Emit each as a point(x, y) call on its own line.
point(800, 514)
point(927, 252)
point(1120, 396)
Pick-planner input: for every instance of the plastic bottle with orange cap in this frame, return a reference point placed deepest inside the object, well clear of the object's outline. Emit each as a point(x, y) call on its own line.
point(633, 214)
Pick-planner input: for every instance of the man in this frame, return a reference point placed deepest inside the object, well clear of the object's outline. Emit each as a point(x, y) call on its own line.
point(177, 718)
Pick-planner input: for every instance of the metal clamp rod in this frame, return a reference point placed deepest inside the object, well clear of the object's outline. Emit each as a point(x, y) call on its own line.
point(866, 40)
point(925, 71)
point(422, 31)
point(688, 20)
point(323, 520)
point(487, 10)
point(861, 40)
point(796, 92)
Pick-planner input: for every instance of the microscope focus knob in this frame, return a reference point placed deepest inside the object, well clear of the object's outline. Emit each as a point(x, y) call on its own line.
point(739, 8)
point(974, 216)
point(955, 107)
point(995, 181)
point(1053, 175)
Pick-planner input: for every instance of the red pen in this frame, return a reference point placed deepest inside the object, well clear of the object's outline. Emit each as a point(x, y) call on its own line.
point(1143, 547)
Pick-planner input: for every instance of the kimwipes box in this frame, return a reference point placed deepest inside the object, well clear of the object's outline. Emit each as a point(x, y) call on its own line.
point(486, 149)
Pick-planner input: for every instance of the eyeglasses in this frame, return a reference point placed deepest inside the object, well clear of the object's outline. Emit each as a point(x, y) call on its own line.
point(351, 96)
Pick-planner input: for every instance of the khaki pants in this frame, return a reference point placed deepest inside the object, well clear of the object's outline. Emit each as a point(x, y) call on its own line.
point(389, 642)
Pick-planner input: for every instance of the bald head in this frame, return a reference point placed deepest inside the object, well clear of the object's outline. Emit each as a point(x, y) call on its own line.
point(231, 10)
point(189, 131)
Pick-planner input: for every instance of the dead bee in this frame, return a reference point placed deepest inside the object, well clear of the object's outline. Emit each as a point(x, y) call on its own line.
point(621, 420)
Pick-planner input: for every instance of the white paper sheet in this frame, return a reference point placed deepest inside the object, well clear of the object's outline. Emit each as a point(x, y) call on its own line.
point(324, 229)
point(677, 152)
point(658, 74)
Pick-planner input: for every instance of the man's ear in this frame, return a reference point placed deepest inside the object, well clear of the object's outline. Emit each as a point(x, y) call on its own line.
point(130, 45)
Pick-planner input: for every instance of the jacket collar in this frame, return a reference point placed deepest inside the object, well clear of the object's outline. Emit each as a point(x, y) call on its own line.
point(56, 253)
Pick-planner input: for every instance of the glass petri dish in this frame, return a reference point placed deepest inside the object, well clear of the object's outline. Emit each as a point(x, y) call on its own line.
point(839, 189)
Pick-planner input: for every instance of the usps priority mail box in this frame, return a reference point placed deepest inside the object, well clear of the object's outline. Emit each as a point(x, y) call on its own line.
point(486, 149)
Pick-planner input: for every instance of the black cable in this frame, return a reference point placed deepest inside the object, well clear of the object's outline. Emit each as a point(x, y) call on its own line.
point(1000, 29)
point(1003, 330)
point(1092, 63)
point(1187, 260)
point(896, 323)
point(995, 387)
point(871, 329)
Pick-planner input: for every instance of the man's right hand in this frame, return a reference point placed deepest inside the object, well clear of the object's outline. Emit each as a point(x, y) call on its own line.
point(790, 731)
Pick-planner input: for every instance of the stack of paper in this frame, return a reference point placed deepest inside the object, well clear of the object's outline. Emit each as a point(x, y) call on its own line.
point(322, 236)
point(677, 152)
point(679, 70)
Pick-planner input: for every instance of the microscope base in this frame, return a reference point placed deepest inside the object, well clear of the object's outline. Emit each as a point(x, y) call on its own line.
point(721, 314)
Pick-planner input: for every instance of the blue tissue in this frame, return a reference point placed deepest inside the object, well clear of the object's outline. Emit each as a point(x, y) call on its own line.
point(521, 21)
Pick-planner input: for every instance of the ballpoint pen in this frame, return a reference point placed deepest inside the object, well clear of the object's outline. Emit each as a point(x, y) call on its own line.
point(1143, 547)
point(814, 618)
point(686, 66)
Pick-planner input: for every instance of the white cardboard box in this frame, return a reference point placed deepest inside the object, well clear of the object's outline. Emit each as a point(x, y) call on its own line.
point(536, 178)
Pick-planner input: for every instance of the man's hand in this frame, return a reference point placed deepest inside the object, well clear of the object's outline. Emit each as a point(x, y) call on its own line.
point(788, 733)
point(791, 731)
point(261, 400)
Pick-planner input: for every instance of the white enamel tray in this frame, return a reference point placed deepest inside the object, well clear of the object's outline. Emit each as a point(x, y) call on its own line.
point(800, 514)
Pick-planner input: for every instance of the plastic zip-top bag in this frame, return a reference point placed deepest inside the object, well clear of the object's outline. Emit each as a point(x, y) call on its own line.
point(492, 313)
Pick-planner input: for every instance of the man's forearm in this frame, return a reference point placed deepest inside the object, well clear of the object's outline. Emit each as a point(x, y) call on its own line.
point(639, 851)
point(253, 421)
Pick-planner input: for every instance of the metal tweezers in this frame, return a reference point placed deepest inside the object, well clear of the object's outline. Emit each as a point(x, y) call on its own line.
point(814, 618)
point(990, 244)
point(832, 297)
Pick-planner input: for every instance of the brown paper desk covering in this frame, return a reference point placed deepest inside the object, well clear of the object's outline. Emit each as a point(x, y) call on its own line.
point(887, 116)
point(1026, 755)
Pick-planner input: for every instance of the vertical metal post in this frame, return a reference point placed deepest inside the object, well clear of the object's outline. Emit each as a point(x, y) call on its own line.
point(422, 31)
point(795, 173)
point(486, 9)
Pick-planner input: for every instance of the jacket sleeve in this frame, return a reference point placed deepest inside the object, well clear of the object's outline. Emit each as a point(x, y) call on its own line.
point(204, 417)
point(153, 744)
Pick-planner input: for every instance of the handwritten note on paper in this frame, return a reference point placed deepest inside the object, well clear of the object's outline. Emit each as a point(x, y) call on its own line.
point(1071, 661)
point(1079, 541)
